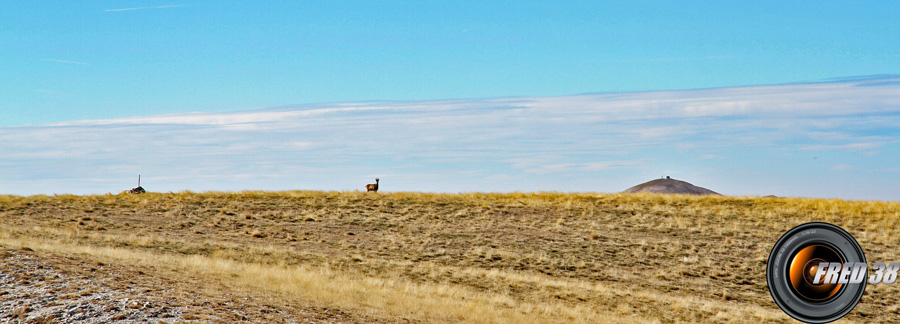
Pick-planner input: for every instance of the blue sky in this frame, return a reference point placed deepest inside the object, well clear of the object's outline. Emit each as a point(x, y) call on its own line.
point(129, 71)
point(64, 60)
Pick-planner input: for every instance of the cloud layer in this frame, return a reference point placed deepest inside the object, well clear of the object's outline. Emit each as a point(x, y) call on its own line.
point(830, 139)
point(145, 8)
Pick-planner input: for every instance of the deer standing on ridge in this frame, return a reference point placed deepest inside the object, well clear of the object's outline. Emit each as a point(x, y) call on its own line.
point(372, 186)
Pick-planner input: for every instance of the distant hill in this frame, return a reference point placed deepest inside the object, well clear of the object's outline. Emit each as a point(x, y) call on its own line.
point(670, 186)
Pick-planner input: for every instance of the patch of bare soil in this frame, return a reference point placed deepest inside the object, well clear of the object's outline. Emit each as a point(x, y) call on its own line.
point(47, 288)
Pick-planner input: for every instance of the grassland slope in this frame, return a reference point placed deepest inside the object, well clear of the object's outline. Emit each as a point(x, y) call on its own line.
point(449, 258)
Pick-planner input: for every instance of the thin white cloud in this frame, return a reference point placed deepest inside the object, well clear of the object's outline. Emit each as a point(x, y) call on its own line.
point(845, 147)
point(236, 118)
point(54, 93)
point(584, 167)
point(841, 167)
point(668, 59)
point(144, 8)
point(65, 61)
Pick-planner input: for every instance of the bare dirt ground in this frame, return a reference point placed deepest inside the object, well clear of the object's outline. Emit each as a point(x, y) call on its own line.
point(57, 289)
point(47, 288)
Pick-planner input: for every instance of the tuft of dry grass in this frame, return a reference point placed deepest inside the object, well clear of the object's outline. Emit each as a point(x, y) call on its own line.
point(471, 257)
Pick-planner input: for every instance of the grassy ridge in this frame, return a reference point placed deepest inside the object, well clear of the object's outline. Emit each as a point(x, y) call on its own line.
point(481, 258)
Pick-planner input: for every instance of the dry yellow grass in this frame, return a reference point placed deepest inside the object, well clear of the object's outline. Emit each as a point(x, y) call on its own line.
point(475, 258)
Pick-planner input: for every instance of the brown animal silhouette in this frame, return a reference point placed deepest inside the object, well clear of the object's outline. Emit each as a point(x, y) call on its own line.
point(372, 186)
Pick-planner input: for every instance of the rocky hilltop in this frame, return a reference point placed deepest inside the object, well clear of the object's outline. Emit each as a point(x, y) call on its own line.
point(670, 186)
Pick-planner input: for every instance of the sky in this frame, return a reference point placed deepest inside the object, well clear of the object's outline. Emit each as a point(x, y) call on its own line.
point(792, 98)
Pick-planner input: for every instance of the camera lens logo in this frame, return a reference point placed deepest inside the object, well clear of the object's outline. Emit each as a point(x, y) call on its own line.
point(816, 272)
